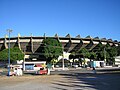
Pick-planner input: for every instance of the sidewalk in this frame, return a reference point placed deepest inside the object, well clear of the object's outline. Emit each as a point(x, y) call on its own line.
point(99, 68)
point(59, 69)
point(107, 68)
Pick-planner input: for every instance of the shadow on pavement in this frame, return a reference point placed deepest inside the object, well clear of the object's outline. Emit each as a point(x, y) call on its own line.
point(88, 81)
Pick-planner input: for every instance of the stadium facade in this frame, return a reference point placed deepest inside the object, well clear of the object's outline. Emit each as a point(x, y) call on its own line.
point(31, 45)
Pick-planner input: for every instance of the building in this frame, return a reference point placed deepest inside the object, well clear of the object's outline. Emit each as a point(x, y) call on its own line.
point(117, 61)
point(31, 45)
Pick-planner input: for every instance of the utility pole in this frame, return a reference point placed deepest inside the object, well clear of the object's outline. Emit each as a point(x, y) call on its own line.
point(63, 66)
point(105, 56)
point(9, 31)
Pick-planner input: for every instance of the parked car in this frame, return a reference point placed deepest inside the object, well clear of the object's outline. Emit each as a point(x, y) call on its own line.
point(42, 71)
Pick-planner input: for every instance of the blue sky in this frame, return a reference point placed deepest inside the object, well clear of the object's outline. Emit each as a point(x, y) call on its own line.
point(77, 17)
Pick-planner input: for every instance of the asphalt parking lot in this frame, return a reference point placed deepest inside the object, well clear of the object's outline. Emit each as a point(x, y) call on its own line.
point(80, 79)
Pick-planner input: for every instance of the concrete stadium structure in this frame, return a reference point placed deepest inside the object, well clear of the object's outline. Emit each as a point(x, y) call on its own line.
point(31, 45)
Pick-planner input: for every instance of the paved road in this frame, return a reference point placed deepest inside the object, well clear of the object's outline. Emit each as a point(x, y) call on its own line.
point(64, 80)
point(104, 79)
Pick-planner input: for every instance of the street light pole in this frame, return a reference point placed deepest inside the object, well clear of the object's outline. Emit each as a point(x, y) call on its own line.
point(63, 66)
point(105, 56)
point(9, 31)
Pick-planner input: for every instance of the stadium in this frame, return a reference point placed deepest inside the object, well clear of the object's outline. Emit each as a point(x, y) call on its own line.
point(31, 45)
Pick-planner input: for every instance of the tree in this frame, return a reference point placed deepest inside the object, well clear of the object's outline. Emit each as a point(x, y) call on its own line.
point(52, 49)
point(72, 56)
point(100, 52)
point(111, 52)
point(15, 54)
point(92, 55)
point(84, 53)
point(107, 52)
point(118, 50)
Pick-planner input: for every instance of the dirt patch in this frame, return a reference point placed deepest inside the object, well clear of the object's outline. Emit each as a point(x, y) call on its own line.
point(4, 80)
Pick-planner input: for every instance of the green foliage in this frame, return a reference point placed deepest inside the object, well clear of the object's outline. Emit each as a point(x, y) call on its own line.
point(4, 54)
point(100, 52)
point(107, 52)
point(84, 53)
point(52, 49)
point(118, 50)
point(92, 55)
point(111, 52)
point(15, 54)
point(72, 55)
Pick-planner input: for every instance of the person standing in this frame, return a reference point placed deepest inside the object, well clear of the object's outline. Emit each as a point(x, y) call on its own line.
point(94, 71)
